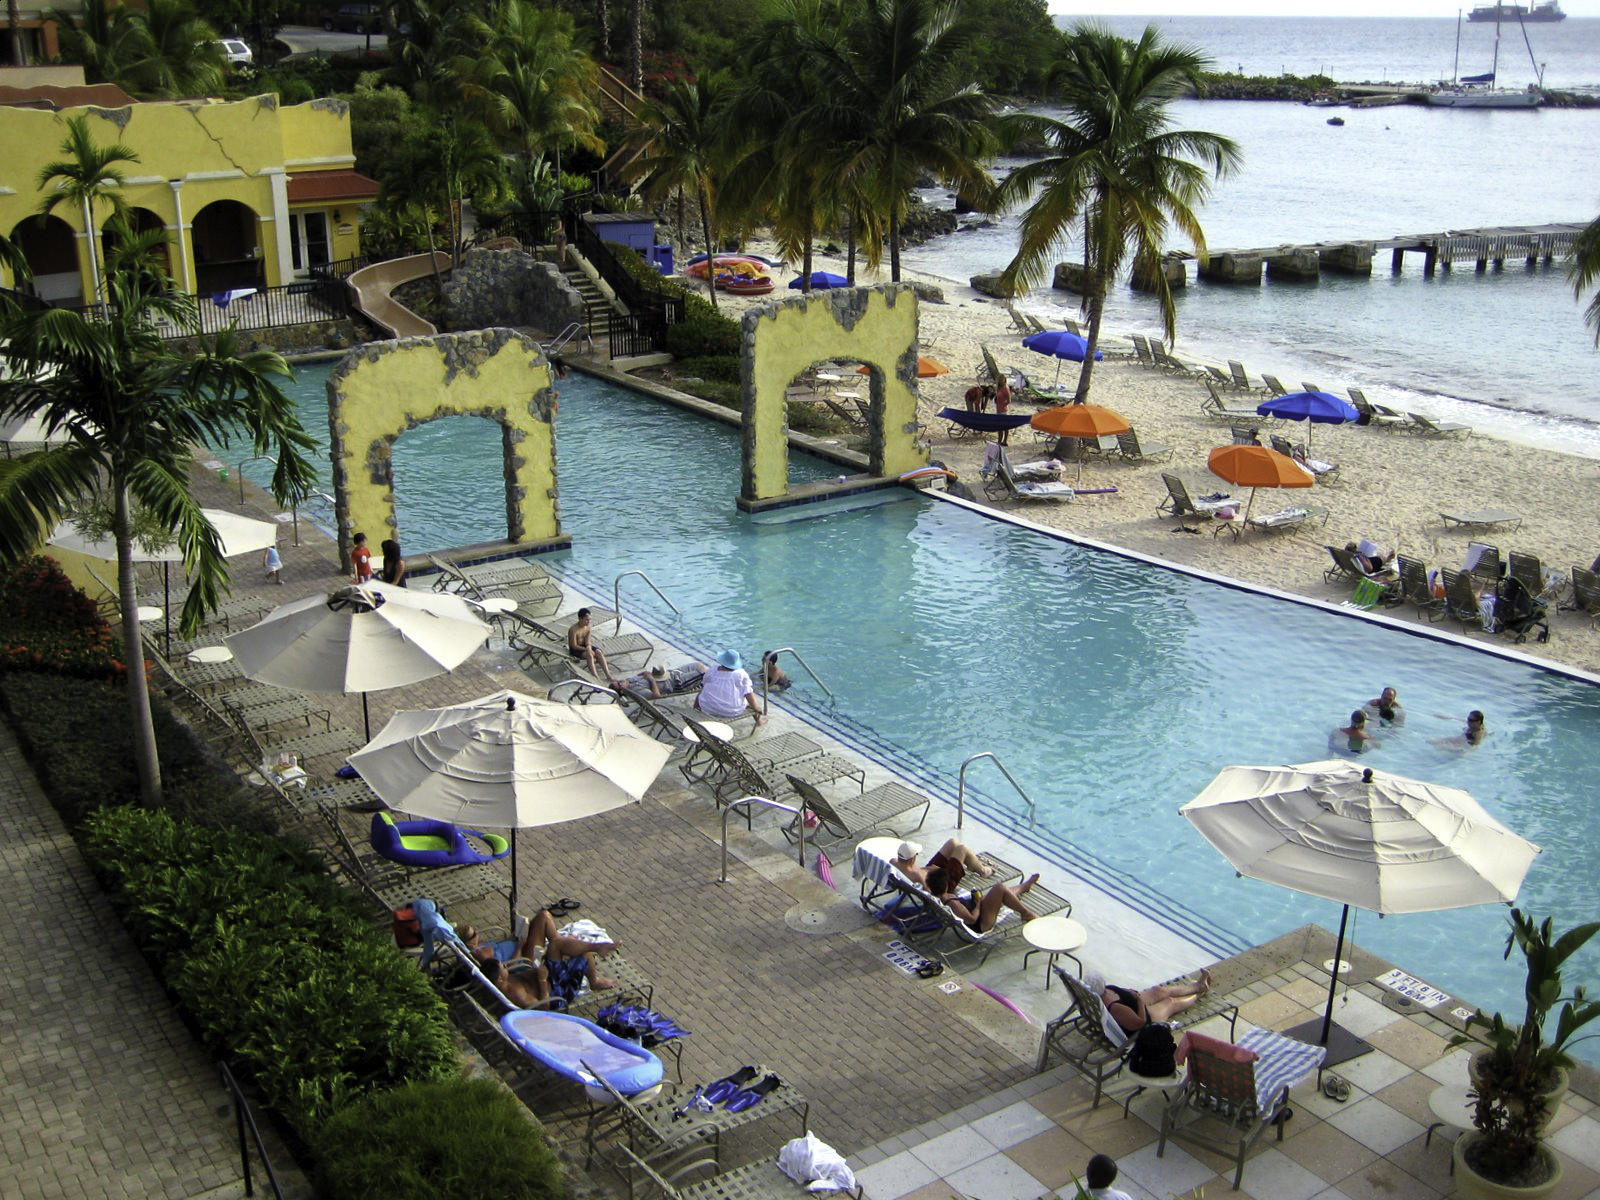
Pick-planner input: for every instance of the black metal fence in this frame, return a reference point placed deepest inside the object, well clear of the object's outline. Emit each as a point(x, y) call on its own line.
point(650, 312)
point(306, 302)
point(245, 1120)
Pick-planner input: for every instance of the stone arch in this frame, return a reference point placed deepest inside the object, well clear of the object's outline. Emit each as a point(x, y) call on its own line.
point(226, 235)
point(385, 388)
point(876, 326)
point(51, 248)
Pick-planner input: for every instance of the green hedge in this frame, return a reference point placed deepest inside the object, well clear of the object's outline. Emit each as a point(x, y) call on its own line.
point(47, 624)
point(457, 1139)
point(272, 959)
point(78, 738)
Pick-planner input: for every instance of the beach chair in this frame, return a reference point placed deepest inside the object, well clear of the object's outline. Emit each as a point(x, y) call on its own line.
point(1273, 386)
point(1415, 590)
point(1309, 387)
point(1326, 472)
point(736, 775)
point(1292, 517)
point(1483, 516)
point(1240, 377)
point(1072, 327)
point(757, 1181)
point(1460, 601)
point(1018, 490)
point(1483, 563)
point(1164, 358)
point(1179, 504)
point(934, 922)
point(1585, 594)
point(1543, 585)
point(1246, 435)
point(1141, 348)
point(1375, 415)
point(839, 819)
point(1044, 470)
point(540, 647)
point(1218, 375)
point(528, 586)
point(1215, 405)
point(1130, 448)
point(1346, 567)
point(1231, 1098)
point(1434, 428)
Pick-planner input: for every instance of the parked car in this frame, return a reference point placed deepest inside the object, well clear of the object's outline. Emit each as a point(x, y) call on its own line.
point(236, 51)
point(355, 18)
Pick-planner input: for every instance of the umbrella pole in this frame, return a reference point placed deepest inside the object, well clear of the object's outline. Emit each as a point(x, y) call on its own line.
point(513, 878)
point(166, 596)
point(366, 717)
point(1333, 977)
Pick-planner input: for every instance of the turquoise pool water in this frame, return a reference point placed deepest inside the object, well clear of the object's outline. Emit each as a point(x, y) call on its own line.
point(1113, 690)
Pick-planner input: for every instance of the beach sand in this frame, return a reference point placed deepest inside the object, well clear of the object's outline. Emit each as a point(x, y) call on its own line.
point(1392, 484)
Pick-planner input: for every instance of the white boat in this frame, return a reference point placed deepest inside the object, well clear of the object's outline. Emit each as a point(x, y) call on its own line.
point(1478, 91)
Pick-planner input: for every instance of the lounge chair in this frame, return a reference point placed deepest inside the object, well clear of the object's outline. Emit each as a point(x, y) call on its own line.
point(1376, 415)
point(1129, 447)
point(1273, 386)
point(1215, 405)
point(1088, 1038)
point(1346, 567)
point(934, 921)
point(1228, 1100)
point(1309, 387)
point(1044, 470)
point(1245, 435)
point(1326, 472)
point(1439, 428)
point(1141, 347)
point(1542, 585)
point(737, 774)
point(757, 1181)
point(1018, 490)
point(1460, 602)
point(1482, 516)
point(1072, 327)
point(1483, 563)
point(1218, 375)
point(1163, 358)
point(528, 586)
point(1290, 517)
point(1585, 593)
point(1240, 377)
point(1179, 504)
point(542, 647)
point(1415, 590)
point(839, 819)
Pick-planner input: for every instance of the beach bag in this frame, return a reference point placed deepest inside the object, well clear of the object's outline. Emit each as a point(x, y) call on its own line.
point(407, 928)
point(1154, 1053)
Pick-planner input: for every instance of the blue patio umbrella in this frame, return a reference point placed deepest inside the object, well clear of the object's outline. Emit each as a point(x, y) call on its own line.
point(820, 281)
point(1059, 345)
point(1319, 408)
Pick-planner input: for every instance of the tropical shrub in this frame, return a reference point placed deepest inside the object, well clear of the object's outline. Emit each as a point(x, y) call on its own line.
point(47, 624)
point(456, 1139)
point(703, 335)
point(719, 369)
point(272, 960)
point(76, 737)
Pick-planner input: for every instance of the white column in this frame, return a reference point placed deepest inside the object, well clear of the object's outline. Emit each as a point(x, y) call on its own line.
point(180, 229)
point(280, 221)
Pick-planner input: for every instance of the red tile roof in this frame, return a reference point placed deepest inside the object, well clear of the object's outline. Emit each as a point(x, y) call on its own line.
point(310, 187)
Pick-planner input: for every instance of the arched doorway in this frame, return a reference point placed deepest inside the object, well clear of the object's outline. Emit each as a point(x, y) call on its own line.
point(51, 248)
point(227, 247)
point(140, 220)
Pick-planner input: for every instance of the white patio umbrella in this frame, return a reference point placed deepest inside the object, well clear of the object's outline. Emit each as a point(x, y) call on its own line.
point(512, 761)
point(359, 639)
point(1359, 837)
point(239, 535)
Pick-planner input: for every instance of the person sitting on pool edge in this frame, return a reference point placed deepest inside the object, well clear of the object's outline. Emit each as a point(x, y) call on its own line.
point(1133, 1010)
point(726, 691)
point(953, 856)
point(981, 912)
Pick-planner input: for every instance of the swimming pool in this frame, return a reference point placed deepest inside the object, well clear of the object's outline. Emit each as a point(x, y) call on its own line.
point(1113, 690)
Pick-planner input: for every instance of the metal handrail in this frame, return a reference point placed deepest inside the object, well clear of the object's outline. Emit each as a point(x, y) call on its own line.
point(251, 459)
point(961, 791)
point(583, 686)
point(566, 335)
point(766, 687)
point(745, 802)
point(244, 1118)
point(616, 595)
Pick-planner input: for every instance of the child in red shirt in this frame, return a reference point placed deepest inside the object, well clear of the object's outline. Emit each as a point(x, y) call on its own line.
point(362, 558)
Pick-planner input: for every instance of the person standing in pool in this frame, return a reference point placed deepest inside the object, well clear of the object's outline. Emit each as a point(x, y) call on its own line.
point(1469, 737)
point(1387, 706)
point(1357, 739)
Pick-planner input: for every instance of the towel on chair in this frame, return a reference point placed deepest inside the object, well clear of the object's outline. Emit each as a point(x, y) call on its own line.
point(1215, 1047)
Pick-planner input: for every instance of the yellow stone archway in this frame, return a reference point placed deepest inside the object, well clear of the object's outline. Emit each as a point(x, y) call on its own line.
point(386, 388)
point(876, 326)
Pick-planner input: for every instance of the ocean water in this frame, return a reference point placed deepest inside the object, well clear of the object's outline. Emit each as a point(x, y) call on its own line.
point(1506, 351)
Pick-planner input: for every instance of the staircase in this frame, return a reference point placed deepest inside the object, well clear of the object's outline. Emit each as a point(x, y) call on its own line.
point(619, 104)
point(597, 308)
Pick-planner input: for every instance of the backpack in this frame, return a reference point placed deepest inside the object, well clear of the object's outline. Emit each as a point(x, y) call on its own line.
point(407, 928)
point(1154, 1051)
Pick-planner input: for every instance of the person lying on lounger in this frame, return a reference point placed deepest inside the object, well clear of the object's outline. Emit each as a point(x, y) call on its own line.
point(1133, 1010)
point(980, 912)
point(660, 681)
point(953, 856)
point(556, 979)
point(543, 942)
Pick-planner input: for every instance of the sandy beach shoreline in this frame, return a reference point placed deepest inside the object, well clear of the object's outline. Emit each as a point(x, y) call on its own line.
point(1392, 484)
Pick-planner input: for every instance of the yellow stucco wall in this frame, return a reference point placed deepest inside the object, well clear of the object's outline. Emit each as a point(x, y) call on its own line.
point(239, 151)
point(386, 388)
point(876, 326)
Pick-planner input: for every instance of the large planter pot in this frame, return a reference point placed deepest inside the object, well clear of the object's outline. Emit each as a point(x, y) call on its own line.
point(1553, 1098)
point(1472, 1186)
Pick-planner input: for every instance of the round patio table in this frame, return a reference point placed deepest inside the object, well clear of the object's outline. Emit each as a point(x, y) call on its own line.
point(716, 729)
point(1056, 937)
point(1453, 1106)
point(210, 654)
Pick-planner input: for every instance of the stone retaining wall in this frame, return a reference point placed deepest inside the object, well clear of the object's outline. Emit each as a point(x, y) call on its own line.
point(510, 288)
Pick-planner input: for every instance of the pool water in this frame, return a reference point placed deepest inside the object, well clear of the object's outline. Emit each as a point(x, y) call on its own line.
point(1113, 690)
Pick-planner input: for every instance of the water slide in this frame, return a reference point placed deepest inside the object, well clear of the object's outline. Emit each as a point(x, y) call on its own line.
point(371, 287)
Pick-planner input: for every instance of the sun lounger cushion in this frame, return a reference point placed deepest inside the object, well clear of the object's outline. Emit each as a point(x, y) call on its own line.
point(579, 1050)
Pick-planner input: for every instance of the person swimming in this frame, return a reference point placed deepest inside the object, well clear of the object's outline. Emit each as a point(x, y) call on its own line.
point(1355, 736)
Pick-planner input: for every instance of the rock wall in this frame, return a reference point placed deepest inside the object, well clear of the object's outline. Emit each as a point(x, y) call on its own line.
point(509, 288)
point(289, 339)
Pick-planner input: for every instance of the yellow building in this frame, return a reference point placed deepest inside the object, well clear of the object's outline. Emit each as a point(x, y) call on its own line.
point(251, 194)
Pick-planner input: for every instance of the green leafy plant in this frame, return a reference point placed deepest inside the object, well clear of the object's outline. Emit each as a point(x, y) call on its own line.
point(705, 335)
point(456, 1139)
point(47, 624)
point(1520, 1069)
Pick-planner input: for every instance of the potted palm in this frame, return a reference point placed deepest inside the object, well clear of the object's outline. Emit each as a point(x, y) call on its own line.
point(1520, 1077)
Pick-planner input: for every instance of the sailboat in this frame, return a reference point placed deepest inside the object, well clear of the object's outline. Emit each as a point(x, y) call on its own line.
point(1478, 91)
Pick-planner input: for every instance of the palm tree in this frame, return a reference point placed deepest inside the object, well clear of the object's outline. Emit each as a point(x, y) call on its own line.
point(129, 410)
point(86, 176)
point(106, 38)
point(181, 54)
point(892, 108)
point(1583, 268)
point(1115, 166)
point(683, 148)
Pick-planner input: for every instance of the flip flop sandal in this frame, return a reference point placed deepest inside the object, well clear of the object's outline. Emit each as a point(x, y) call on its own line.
point(1335, 1087)
point(930, 970)
point(565, 905)
point(728, 1087)
point(751, 1096)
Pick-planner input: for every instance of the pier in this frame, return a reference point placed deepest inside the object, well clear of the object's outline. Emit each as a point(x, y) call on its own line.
point(1486, 247)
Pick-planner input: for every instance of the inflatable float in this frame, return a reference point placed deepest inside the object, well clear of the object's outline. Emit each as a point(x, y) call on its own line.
point(433, 843)
point(580, 1050)
point(753, 259)
point(726, 262)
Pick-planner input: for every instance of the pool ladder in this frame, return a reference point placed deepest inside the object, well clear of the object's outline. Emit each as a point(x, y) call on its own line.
point(961, 792)
point(765, 689)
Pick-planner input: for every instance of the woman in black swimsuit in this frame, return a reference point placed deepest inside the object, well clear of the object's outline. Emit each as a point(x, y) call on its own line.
point(1133, 1010)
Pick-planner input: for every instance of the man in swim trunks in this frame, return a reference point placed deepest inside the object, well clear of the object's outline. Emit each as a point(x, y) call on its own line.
point(954, 857)
point(580, 644)
point(1133, 1010)
point(662, 681)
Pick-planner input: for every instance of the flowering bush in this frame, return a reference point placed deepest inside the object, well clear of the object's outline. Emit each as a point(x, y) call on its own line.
point(47, 624)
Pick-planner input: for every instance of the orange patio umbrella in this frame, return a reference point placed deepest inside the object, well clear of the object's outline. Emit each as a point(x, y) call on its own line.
point(1082, 421)
point(927, 368)
point(1257, 467)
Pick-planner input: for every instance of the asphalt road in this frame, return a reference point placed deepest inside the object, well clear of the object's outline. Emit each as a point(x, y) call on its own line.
point(310, 41)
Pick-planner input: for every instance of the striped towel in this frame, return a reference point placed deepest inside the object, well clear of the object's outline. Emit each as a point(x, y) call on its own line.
point(1281, 1061)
